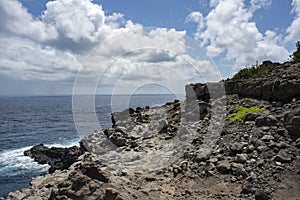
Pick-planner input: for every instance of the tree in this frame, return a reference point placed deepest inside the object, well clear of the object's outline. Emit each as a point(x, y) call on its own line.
point(296, 55)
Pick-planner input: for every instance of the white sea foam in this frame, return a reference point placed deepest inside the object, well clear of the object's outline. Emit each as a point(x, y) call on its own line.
point(70, 143)
point(13, 162)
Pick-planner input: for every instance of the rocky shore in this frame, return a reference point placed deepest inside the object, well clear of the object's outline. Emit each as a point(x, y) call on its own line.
point(188, 150)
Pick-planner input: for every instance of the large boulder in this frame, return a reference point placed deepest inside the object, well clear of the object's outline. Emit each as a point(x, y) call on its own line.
point(269, 120)
point(292, 123)
point(56, 157)
point(116, 136)
point(204, 92)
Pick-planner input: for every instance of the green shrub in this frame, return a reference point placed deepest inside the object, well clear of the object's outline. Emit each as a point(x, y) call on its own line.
point(240, 114)
point(250, 72)
point(296, 55)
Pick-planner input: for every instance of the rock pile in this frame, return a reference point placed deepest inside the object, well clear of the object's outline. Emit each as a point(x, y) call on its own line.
point(260, 156)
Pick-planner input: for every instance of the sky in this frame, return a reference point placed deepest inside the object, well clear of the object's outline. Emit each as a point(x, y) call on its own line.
point(47, 47)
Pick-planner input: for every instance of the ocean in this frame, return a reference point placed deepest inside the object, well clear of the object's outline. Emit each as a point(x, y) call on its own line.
point(28, 121)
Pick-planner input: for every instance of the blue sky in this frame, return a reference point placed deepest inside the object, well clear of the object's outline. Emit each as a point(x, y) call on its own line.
point(44, 43)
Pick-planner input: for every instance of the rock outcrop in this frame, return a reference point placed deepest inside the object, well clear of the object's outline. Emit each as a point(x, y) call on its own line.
point(58, 158)
point(280, 83)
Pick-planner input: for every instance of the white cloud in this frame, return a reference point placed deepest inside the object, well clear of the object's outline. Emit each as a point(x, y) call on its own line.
point(137, 49)
point(81, 24)
point(293, 30)
point(115, 17)
point(196, 17)
point(229, 30)
point(14, 19)
point(64, 24)
point(76, 20)
point(258, 4)
point(49, 47)
point(175, 72)
point(27, 60)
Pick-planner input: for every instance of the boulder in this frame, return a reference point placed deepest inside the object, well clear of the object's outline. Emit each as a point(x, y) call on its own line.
point(267, 138)
point(117, 139)
point(292, 123)
point(269, 120)
point(116, 136)
point(236, 147)
point(261, 195)
point(56, 157)
point(204, 92)
point(224, 167)
point(251, 116)
point(242, 158)
point(283, 157)
point(247, 188)
point(197, 91)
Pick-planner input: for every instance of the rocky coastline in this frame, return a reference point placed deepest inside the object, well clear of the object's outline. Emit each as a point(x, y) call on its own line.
point(146, 154)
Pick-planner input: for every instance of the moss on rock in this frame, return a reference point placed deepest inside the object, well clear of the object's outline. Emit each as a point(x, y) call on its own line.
point(240, 114)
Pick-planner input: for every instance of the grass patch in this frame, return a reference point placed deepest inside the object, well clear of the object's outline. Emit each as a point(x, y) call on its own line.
point(240, 114)
point(250, 72)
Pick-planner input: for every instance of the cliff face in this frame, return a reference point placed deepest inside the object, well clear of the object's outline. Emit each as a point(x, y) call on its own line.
point(189, 150)
point(280, 83)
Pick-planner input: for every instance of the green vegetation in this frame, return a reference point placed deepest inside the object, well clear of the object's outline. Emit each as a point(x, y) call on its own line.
point(296, 55)
point(182, 104)
point(257, 70)
point(247, 99)
point(250, 72)
point(240, 114)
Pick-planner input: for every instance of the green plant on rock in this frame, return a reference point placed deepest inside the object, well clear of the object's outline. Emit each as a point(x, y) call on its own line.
point(250, 72)
point(182, 104)
point(240, 114)
point(247, 99)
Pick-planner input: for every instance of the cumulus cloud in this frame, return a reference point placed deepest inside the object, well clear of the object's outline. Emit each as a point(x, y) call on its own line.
point(229, 30)
point(80, 24)
point(157, 56)
point(15, 20)
point(27, 60)
point(49, 47)
point(72, 25)
point(76, 20)
point(293, 30)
